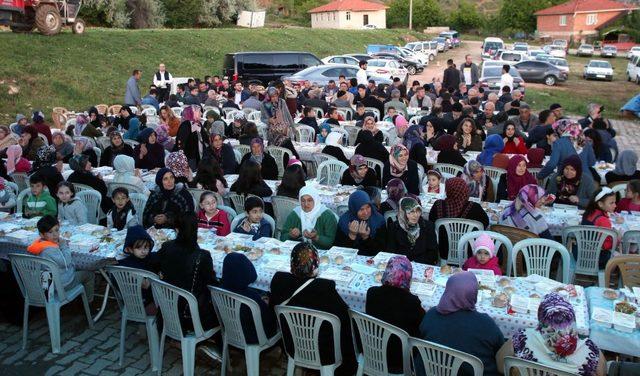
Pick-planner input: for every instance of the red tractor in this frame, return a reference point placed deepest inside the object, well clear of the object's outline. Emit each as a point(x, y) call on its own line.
point(47, 16)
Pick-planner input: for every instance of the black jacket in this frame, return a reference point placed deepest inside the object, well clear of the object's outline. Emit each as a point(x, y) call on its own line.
point(179, 201)
point(268, 169)
point(108, 155)
point(370, 179)
point(369, 247)
point(188, 141)
point(227, 159)
point(451, 78)
point(472, 211)
point(425, 249)
point(410, 177)
point(451, 157)
point(336, 152)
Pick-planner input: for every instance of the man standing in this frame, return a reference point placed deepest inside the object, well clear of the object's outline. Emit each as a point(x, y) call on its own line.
point(451, 76)
point(132, 92)
point(162, 81)
point(506, 79)
point(469, 72)
point(361, 76)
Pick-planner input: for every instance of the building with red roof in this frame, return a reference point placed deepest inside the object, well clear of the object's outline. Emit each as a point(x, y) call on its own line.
point(579, 20)
point(349, 14)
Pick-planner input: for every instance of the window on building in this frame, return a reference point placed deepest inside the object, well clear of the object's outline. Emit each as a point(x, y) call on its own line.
point(592, 19)
point(334, 16)
point(348, 16)
point(563, 20)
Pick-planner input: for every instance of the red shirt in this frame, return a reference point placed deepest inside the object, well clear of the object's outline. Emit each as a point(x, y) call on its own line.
point(600, 219)
point(220, 221)
point(625, 204)
point(511, 148)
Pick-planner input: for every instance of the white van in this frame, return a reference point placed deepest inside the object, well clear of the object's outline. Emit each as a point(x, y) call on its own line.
point(490, 46)
point(633, 68)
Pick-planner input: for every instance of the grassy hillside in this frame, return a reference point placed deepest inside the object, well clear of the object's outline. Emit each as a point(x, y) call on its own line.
point(78, 71)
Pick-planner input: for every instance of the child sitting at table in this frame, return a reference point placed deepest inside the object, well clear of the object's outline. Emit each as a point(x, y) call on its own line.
point(325, 129)
point(39, 202)
point(123, 214)
point(484, 256)
point(435, 185)
point(391, 112)
point(309, 118)
point(601, 205)
point(631, 202)
point(48, 246)
point(359, 115)
point(254, 223)
point(70, 208)
point(7, 197)
point(137, 246)
point(209, 216)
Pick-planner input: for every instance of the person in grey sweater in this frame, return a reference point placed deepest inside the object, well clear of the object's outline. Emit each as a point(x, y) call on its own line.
point(70, 208)
point(132, 93)
point(396, 103)
point(469, 72)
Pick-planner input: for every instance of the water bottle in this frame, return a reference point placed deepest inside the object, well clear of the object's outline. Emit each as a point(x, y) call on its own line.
point(213, 233)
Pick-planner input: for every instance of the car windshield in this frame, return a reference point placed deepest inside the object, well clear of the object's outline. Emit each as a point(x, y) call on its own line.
point(560, 63)
point(376, 63)
point(497, 72)
point(557, 48)
point(609, 48)
point(586, 46)
point(439, 40)
point(599, 64)
point(520, 48)
point(492, 46)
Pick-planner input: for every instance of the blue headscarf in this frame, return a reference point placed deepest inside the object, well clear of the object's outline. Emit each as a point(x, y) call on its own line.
point(493, 145)
point(238, 273)
point(326, 127)
point(412, 137)
point(356, 201)
point(134, 129)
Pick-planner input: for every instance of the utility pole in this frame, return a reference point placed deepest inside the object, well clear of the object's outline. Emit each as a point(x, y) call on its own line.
point(410, 14)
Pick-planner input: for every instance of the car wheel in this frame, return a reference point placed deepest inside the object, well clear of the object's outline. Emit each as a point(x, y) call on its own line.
point(431, 57)
point(628, 77)
point(550, 80)
point(411, 69)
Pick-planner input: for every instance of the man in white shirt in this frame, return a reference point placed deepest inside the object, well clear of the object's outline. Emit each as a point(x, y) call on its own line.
point(162, 81)
point(361, 76)
point(506, 79)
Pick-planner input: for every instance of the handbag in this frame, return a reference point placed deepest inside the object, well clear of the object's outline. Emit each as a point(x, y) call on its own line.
point(186, 312)
point(298, 290)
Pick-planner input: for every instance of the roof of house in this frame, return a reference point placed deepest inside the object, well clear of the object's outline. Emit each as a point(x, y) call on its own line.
point(351, 5)
point(582, 6)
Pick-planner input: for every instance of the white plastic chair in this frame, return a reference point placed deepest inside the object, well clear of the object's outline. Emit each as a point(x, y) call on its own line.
point(345, 134)
point(321, 157)
point(538, 254)
point(282, 207)
point(132, 143)
point(149, 111)
point(455, 229)
point(103, 142)
point(353, 133)
point(448, 170)
point(29, 271)
point(139, 201)
point(243, 149)
point(82, 187)
point(347, 113)
point(129, 295)
point(386, 138)
point(415, 119)
point(278, 154)
point(13, 186)
point(20, 200)
point(166, 297)
point(498, 239)
point(535, 172)
point(630, 238)
point(254, 116)
point(231, 214)
point(420, 172)
point(132, 188)
point(305, 133)
point(228, 115)
point(589, 242)
point(304, 328)
point(440, 360)
point(92, 200)
point(177, 111)
point(196, 193)
point(494, 173)
point(243, 215)
point(391, 215)
point(22, 179)
point(98, 152)
point(525, 367)
point(319, 112)
point(237, 201)
point(620, 189)
point(375, 111)
point(237, 155)
point(330, 172)
point(376, 165)
point(227, 305)
point(374, 337)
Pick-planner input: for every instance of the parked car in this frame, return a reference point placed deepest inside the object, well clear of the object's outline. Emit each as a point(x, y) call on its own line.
point(323, 73)
point(633, 69)
point(412, 66)
point(535, 52)
point(427, 49)
point(369, 27)
point(543, 57)
point(443, 44)
point(266, 66)
point(557, 51)
point(609, 51)
point(598, 70)
point(386, 68)
point(409, 54)
point(490, 78)
point(541, 71)
point(511, 56)
point(453, 36)
point(561, 43)
point(490, 46)
point(633, 51)
point(341, 59)
point(585, 50)
point(521, 46)
point(360, 57)
point(561, 64)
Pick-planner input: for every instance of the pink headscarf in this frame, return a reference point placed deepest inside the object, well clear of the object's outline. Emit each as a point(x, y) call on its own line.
point(14, 152)
point(401, 125)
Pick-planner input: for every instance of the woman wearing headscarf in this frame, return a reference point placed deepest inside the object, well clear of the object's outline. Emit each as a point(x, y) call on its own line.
point(400, 166)
point(493, 145)
point(133, 132)
point(625, 169)
point(535, 156)
point(447, 151)
point(411, 235)
point(368, 147)
point(369, 124)
point(249, 132)
point(501, 161)
point(167, 201)
point(7, 138)
point(359, 173)
point(178, 164)
point(413, 141)
point(456, 323)
point(334, 147)
point(30, 142)
point(223, 153)
point(169, 120)
point(517, 176)
point(524, 212)
point(293, 180)
point(562, 138)
point(311, 221)
point(63, 145)
point(362, 227)
point(117, 147)
point(37, 121)
point(81, 166)
point(162, 132)
point(124, 171)
point(235, 128)
point(274, 112)
point(124, 120)
point(396, 190)
point(84, 145)
point(302, 288)
point(85, 128)
point(192, 139)
point(433, 131)
point(15, 161)
point(394, 303)
point(555, 342)
point(237, 274)
point(455, 205)
point(268, 166)
point(479, 183)
point(570, 184)
point(323, 132)
point(44, 165)
point(148, 154)
point(513, 142)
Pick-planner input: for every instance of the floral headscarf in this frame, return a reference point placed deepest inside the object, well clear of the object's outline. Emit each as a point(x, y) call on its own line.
point(407, 205)
point(396, 168)
point(356, 161)
point(304, 260)
point(568, 187)
point(257, 158)
point(522, 212)
point(567, 128)
point(396, 190)
point(178, 164)
point(45, 156)
point(398, 272)
point(476, 189)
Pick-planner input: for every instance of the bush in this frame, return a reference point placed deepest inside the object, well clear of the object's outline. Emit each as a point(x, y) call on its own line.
point(425, 13)
point(466, 17)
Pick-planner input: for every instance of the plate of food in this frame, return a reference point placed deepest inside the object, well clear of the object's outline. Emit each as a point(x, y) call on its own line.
point(500, 301)
point(625, 307)
point(610, 294)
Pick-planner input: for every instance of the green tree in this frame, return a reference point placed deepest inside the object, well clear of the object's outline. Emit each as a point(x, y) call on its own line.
point(518, 15)
point(425, 13)
point(466, 17)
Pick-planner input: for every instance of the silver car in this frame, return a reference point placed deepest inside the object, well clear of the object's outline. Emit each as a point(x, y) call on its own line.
point(322, 74)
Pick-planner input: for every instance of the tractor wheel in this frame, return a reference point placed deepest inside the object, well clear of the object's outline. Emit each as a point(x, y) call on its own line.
point(48, 20)
point(78, 26)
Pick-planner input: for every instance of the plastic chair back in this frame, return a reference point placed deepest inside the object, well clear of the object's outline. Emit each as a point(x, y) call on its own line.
point(494, 173)
point(177, 111)
point(304, 327)
point(620, 189)
point(330, 172)
point(345, 134)
point(630, 237)
point(92, 200)
point(320, 157)
point(374, 337)
point(20, 200)
point(129, 292)
point(278, 154)
point(282, 207)
point(103, 142)
point(440, 360)
point(243, 215)
point(348, 113)
point(391, 215)
point(28, 270)
point(243, 149)
point(98, 152)
point(525, 367)
point(353, 133)
point(415, 119)
point(498, 239)
point(13, 186)
point(148, 110)
point(132, 143)
point(254, 116)
point(447, 170)
point(375, 111)
point(166, 297)
point(196, 193)
point(304, 133)
point(589, 241)
point(114, 109)
point(82, 187)
point(376, 165)
point(541, 182)
point(629, 266)
point(22, 179)
point(319, 112)
point(237, 201)
point(538, 254)
point(102, 108)
point(456, 228)
point(139, 201)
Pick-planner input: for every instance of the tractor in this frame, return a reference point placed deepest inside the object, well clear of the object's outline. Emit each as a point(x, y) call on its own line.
point(47, 16)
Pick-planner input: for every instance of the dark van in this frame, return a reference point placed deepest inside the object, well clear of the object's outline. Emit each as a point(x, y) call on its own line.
point(266, 66)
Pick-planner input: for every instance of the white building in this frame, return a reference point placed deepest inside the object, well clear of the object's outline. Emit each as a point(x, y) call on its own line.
point(349, 14)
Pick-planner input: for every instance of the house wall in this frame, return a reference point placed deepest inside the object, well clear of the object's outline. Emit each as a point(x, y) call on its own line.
point(338, 20)
point(576, 27)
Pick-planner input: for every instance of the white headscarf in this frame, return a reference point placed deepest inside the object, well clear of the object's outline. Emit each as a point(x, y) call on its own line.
point(308, 220)
point(123, 165)
point(333, 139)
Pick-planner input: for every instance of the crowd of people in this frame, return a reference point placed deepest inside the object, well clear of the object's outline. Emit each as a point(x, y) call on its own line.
point(191, 151)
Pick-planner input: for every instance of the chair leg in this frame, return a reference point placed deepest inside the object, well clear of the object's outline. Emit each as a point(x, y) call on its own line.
point(87, 310)
point(160, 353)
point(53, 317)
point(123, 331)
point(327, 370)
point(152, 337)
point(25, 324)
point(188, 346)
point(360, 371)
point(225, 357)
point(291, 367)
point(252, 357)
